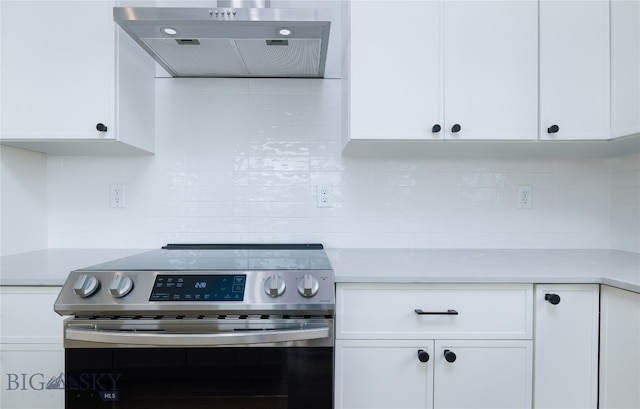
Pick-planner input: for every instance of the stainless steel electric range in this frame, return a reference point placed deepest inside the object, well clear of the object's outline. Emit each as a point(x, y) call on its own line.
point(201, 326)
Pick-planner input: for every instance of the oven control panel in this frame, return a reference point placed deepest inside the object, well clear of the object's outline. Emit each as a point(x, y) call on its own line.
point(140, 292)
point(198, 288)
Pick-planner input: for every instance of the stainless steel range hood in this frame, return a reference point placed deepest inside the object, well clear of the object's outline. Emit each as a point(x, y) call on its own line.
point(231, 41)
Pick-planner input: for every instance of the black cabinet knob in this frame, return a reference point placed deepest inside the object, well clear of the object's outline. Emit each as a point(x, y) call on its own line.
point(553, 129)
point(449, 356)
point(436, 128)
point(456, 128)
point(101, 127)
point(552, 298)
point(423, 356)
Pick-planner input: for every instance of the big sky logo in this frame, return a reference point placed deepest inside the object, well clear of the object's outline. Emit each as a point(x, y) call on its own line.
point(105, 384)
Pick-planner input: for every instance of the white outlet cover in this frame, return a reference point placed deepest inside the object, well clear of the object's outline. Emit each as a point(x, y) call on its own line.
point(525, 197)
point(117, 195)
point(323, 196)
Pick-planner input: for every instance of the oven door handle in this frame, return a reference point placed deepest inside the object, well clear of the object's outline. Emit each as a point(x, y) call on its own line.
point(162, 339)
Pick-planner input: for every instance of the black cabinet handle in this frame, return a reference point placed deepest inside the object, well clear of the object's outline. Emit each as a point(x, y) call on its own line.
point(423, 356)
point(436, 128)
point(447, 312)
point(101, 127)
point(553, 129)
point(552, 298)
point(449, 356)
point(456, 128)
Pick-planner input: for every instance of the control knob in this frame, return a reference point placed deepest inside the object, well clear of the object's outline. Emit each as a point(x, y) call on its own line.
point(86, 285)
point(308, 286)
point(274, 286)
point(120, 286)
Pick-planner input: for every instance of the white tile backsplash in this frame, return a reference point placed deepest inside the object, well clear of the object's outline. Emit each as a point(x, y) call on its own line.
point(23, 200)
point(625, 203)
point(237, 160)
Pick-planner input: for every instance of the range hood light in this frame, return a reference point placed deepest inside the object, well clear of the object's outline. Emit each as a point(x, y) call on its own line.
point(170, 31)
point(284, 32)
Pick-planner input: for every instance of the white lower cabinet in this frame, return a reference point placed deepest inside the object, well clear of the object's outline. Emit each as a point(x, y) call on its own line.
point(31, 350)
point(32, 376)
point(422, 346)
point(392, 374)
point(619, 349)
point(566, 346)
point(383, 374)
point(483, 374)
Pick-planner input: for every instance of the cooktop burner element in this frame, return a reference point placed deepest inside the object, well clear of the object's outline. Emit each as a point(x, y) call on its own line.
point(204, 279)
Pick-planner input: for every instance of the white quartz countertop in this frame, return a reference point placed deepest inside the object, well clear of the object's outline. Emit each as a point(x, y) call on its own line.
point(50, 267)
point(616, 268)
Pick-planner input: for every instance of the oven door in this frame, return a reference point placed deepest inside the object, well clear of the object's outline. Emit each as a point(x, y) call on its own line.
point(199, 363)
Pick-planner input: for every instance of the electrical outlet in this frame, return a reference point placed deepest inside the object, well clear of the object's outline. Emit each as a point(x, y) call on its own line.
point(116, 195)
point(323, 196)
point(525, 197)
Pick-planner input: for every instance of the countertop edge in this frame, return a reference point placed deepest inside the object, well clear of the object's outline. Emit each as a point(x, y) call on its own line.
point(50, 267)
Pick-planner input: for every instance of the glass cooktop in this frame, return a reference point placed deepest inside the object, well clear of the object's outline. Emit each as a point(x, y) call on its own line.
point(227, 257)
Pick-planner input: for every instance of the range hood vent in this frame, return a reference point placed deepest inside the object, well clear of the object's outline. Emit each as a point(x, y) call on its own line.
point(231, 41)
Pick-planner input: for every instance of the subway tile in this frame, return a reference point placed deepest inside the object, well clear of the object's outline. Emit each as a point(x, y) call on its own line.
point(278, 178)
point(265, 209)
point(536, 179)
point(280, 86)
point(238, 160)
point(625, 178)
point(279, 148)
point(282, 194)
point(261, 132)
point(278, 225)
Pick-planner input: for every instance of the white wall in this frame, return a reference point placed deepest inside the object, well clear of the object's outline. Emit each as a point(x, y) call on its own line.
point(237, 160)
point(625, 203)
point(23, 200)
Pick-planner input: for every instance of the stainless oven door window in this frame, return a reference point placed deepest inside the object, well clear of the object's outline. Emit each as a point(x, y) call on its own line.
point(199, 362)
point(198, 378)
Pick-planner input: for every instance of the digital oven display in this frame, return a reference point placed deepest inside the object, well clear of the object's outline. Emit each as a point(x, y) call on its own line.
point(198, 288)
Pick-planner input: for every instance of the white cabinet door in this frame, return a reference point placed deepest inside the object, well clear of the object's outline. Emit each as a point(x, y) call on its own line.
point(71, 77)
point(491, 69)
point(383, 375)
point(57, 69)
point(574, 70)
point(482, 374)
point(566, 346)
point(31, 376)
point(625, 66)
point(619, 349)
point(31, 351)
point(395, 75)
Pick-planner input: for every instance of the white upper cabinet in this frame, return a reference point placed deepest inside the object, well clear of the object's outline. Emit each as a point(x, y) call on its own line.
point(396, 70)
point(443, 63)
point(69, 77)
point(625, 66)
point(574, 70)
point(491, 74)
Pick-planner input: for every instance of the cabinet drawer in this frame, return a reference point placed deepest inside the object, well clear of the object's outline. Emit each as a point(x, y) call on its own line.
point(461, 311)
